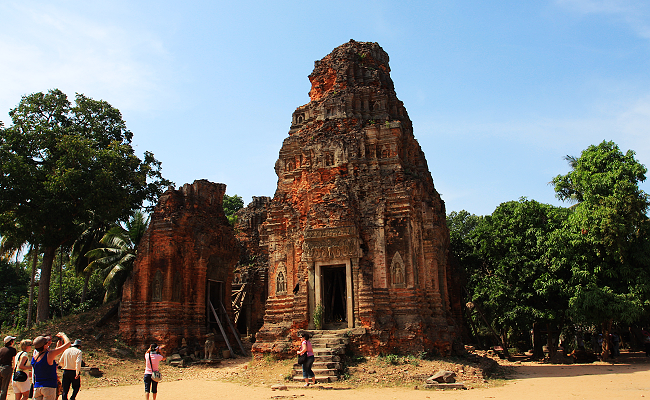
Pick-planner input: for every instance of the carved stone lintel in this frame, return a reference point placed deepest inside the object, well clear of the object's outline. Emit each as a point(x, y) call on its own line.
point(330, 249)
point(339, 232)
point(331, 243)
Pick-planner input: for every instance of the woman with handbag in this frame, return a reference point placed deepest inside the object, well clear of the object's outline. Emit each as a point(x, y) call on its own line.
point(306, 349)
point(22, 382)
point(152, 376)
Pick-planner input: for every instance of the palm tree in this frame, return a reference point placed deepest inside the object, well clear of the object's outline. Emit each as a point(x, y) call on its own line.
point(89, 240)
point(116, 258)
point(11, 247)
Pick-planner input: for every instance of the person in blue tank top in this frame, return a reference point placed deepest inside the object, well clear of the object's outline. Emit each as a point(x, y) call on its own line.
point(44, 366)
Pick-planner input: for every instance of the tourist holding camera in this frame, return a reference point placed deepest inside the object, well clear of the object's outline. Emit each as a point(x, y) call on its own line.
point(152, 359)
point(44, 366)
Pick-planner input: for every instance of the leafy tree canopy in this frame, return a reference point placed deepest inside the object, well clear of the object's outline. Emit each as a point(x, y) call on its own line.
point(13, 288)
point(232, 204)
point(519, 281)
point(607, 232)
point(67, 168)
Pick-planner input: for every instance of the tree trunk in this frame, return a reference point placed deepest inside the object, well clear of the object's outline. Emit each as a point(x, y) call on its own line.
point(538, 347)
point(43, 305)
point(84, 292)
point(505, 344)
point(552, 348)
point(61, 281)
point(494, 332)
point(607, 328)
point(473, 329)
point(30, 303)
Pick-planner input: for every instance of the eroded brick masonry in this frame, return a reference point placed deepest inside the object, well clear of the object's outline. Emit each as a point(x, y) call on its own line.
point(356, 228)
point(185, 263)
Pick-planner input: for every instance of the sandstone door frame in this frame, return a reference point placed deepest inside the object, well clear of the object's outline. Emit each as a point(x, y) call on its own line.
point(318, 287)
point(209, 295)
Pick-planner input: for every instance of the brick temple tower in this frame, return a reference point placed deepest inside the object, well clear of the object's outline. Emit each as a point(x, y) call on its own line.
point(356, 228)
point(185, 263)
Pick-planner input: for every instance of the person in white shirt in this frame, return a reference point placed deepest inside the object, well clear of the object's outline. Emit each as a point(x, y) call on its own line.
point(70, 362)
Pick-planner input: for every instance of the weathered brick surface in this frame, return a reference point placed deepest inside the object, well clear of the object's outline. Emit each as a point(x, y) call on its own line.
point(251, 270)
point(354, 189)
point(188, 242)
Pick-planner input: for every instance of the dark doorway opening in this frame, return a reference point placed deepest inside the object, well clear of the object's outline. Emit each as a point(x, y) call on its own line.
point(215, 296)
point(334, 296)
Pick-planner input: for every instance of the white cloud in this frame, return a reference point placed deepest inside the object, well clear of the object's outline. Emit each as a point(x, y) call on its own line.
point(45, 47)
point(634, 13)
point(626, 122)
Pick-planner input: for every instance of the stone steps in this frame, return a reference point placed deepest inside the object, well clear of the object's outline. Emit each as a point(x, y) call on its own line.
point(328, 347)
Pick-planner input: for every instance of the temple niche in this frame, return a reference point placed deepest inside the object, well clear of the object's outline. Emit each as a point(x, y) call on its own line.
point(185, 263)
point(356, 228)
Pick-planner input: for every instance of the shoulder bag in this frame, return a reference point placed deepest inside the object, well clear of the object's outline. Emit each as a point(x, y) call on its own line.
point(19, 376)
point(156, 376)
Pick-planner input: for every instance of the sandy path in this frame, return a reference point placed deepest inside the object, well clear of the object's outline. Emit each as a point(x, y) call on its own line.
point(625, 380)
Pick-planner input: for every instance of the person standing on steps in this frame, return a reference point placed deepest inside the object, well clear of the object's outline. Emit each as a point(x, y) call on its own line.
point(70, 362)
point(7, 355)
point(305, 347)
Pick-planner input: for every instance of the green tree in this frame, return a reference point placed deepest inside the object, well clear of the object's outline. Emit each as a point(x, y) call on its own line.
point(116, 258)
point(87, 241)
point(70, 285)
point(462, 226)
point(13, 288)
point(67, 167)
point(514, 280)
point(232, 204)
point(608, 229)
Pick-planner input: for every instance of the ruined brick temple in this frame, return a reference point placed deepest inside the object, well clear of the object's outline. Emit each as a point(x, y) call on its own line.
point(355, 237)
point(185, 263)
point(356, 229)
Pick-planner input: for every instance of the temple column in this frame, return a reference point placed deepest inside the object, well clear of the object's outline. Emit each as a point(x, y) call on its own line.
point(349, 291)
point(318, 279)
point(311, 295)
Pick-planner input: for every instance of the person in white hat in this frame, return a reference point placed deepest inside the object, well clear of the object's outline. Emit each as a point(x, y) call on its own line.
point(70, 362)
point(7, 355)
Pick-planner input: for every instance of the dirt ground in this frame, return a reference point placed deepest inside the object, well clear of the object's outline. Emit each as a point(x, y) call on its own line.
point(626, 378)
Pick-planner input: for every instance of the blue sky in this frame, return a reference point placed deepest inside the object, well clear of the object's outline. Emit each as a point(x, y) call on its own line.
point(498, 92)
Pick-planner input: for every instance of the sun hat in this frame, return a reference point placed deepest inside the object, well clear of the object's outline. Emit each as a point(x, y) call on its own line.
point(76, 343)
point(9, 339)
point(39, 342)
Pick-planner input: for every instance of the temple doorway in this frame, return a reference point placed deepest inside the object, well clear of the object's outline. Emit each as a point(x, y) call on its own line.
point(215, 296)
point(334, 296)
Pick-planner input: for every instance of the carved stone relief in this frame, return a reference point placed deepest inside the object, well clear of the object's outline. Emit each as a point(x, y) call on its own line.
point(157, 286)
point(397, 271)
point(281, 279)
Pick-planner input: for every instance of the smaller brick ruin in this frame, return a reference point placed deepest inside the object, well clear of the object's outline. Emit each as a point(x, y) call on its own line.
point(186, 257)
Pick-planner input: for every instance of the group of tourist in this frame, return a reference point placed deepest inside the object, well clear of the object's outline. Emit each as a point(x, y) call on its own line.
point(39, 378)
